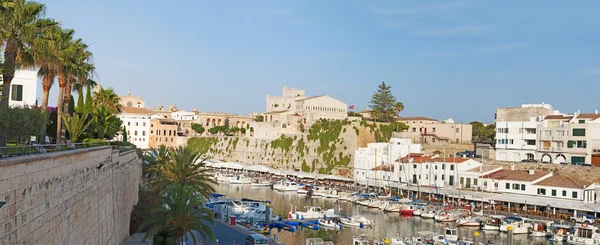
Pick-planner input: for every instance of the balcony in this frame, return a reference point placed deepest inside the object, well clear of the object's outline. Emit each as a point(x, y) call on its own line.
point(546, 137)
point(558, 138)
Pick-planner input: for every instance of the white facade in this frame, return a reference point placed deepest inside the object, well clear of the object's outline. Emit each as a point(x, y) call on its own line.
point(138, 128)
point(377, 154)
point(184, 115)
point(310, 109)
point(23, 89)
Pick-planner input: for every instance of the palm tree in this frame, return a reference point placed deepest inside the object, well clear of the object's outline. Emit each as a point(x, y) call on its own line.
point(106, 123)
point(76, 124)
point(44, 54)
point(22, 23)
point(184, 166)
point(108, 98)
point(180, 213)
point(398, 107)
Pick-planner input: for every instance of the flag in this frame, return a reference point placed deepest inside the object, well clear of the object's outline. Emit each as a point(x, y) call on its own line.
point(352, 107)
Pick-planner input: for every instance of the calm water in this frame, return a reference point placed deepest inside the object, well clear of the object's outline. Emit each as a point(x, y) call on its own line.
point(390, 224)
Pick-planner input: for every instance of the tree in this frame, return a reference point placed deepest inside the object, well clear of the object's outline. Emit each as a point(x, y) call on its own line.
point(108, 98)
point(198, 128)
point(185, 166)
point(259, 118)
point(384, 106)
point(125, 134)
point(18, 124)
point(76, 124)
point(105, 123)
point(482, 133)
point(22, 23)
point(71, 107)
point(177, 213)
point(88, 106)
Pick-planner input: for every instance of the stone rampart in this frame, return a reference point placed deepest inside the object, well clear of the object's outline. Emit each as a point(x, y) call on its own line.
point(82, 196)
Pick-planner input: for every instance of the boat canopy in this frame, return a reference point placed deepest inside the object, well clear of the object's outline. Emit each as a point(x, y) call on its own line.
point(515, 218)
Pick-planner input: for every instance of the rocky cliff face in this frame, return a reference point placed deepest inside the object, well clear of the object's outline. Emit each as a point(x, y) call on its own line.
point(327, 147)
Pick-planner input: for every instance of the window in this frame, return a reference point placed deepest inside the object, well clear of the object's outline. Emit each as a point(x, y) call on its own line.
point(462, 180)
point(507, 186)
point(128, 123)
point(553, 193)
point(574, 195)
point(435, 167)
point(579, 132)
point(451, 167)
point(530, 130)
point(443, 166)
point(502, 130)
point(522, 187)
point(135, 132)
point(581, 121)
point(414, 165)
point(433, 130)
point(136, 123)
point(442, 177)
point(414, 130)
point(510, 141)
point(143, 133)
point(541, 191)
point(435, 177)
point(16, 92)
point(400, 168)
point(426, 166)
point(164, 132)
point(457, 130)
point(564, 193)
point(577, 159)
point(144, 124)
point(475, 181)
point(515, 186)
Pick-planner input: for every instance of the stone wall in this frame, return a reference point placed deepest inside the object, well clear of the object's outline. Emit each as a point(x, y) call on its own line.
point(327, 147)
point(82, 196)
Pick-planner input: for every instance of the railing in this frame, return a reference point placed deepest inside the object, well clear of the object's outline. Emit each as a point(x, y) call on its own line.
point(558, 137)
point(546, 137)
point(23, 150)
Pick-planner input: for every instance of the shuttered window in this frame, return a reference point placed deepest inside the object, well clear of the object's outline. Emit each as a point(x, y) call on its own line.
point(579, 132)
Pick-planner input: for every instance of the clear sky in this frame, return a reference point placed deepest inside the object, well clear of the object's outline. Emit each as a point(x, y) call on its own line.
point(458, 59)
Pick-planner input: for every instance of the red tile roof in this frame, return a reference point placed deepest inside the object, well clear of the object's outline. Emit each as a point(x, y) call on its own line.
point(517, 175)
point(415, 119)
point(589, 116)
point(387, 168)
point(561, 181)
point(451, 159)
point(135, 110)
point(559, 117)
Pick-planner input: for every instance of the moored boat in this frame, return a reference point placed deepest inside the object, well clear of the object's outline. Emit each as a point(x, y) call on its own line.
point(446, 216)
point(260, 183)
point(329, 224)
point(584, 234)
point(518, 225)
point(285, 185)
point(492, 223)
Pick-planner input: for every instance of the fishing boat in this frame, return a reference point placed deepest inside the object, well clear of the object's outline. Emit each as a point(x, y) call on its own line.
point(329, 224)
point(260, 183)
point(446, 216)
point(584, 234)
point(312, 212)
point(285, 185)
point(518, 225)
point(540, 228)
point(351, 223)
point(493, 223)
point(559, 233)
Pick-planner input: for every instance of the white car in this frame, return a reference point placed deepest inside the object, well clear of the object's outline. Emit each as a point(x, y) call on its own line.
point(583, 219)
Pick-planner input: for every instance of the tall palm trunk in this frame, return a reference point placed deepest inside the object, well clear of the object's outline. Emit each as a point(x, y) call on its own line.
point(60, 134)
point(10, 61)
point(67, 95)
point(47, 82)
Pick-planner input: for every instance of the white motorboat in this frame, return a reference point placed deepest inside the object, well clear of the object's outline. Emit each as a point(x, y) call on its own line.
point(417, 210)
point(429, 214)
point(468, 221)
point(332, 193)
point(303, 189)
point(344, 196)
point(312, 212)
point(360, 240)
point(329, 224)
point(584, 234)
point(260, 183)
point(446, 216)
point(351, 223)
point(374, 203)
point(450, 234)
point(319, 191)
point(559, 233)
point(540, 228)
point(285, 186)
point(239, 180)
point(518, 225)
point(259, 214)
point(493, 223)
point(361, 219)
point(223, 178)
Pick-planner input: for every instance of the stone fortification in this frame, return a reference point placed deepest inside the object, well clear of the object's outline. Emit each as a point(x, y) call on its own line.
point(77, 197)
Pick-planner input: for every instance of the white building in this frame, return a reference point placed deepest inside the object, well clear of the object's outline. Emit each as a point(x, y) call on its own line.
point(569, 139)
point(184, 115)
point(137, 122)
point(516, 131)
point(23, 89)
point(294, 105)
point(382, 156)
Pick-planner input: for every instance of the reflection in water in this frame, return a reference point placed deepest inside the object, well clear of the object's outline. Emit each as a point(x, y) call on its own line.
point(384, 223)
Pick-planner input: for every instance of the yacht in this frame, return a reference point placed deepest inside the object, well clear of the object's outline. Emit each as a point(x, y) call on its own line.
point(584, 234)
point(223, 178)
point(319, 191)
point(239, 180)
point(332, 193)
point(467, 219)
point(312, 212)
point(374, 203)
point(446, 216)
point(429, 213)
point(344, 196)
point(360, 240)
point(259, 215)
point(285, 185)
point(518, 225)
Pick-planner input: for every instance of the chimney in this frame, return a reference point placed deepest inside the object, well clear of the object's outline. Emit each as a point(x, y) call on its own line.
point(531, 172)
point(512, 166)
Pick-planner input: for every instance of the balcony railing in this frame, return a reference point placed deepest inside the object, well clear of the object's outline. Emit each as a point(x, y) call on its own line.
point(546, 137)
point(558, 138)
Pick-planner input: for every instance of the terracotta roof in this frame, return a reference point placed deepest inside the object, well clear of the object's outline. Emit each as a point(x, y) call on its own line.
point(135, 110)
point(387, 168)
point(415, 119)
point(589, 116)
point(561, 181)
point(559, 117)
point(416, 158)
point(484, 168)
point(451, 159)
point(311, 97)
point(275, 112)
point(518, 175)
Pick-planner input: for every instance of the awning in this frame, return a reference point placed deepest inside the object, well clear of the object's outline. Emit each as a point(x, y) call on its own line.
point(259, 168)
point(540, 201)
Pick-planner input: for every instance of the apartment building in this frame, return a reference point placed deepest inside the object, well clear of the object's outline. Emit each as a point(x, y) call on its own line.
point(163, 132)
point(570, 139)
point(429, 131)
point(516, 131)
point(137, 122)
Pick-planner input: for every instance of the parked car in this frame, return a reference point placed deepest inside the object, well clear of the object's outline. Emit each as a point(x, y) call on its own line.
point(256, 239)
point(589, 219)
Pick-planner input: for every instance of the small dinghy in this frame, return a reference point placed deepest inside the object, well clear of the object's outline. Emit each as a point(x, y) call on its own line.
point(329, 224)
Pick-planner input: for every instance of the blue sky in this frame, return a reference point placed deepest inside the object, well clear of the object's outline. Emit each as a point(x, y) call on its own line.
point(458, 59)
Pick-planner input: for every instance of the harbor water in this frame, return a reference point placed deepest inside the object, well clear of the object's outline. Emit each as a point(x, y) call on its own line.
point(385, 224)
